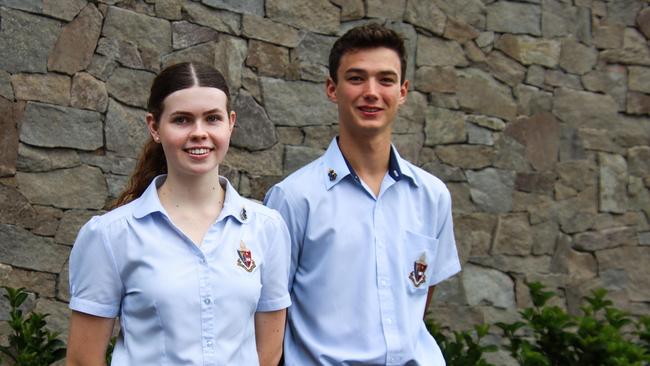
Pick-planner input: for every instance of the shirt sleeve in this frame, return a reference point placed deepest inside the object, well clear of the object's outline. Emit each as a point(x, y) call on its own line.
point(446, 259)
point(278, 200)
point(95, 286)
point(275, 271)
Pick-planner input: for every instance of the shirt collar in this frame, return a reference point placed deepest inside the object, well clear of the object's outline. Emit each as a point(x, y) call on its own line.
point(337, 167)
point(234, 204)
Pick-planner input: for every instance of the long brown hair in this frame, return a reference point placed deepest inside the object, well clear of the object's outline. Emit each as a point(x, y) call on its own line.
point(152, 161)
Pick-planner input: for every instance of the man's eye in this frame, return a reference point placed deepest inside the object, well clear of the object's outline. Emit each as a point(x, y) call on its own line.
point(213, 118)
point(355, 78)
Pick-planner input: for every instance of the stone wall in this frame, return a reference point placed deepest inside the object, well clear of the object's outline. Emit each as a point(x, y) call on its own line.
point(535, 113)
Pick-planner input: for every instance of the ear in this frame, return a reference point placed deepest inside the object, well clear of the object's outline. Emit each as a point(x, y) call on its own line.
point(152, 126)
point(232, 119)
point(330, 90)
point(403, 91)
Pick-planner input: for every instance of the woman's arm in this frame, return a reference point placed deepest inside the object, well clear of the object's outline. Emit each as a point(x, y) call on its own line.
point(88, 339)
point(269, 333)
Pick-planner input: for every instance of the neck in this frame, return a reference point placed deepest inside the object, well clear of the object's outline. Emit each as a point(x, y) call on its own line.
point(197, 192)
point(369, 157)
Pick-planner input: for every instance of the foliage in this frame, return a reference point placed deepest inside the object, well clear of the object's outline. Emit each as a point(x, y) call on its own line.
point(463, 349)
point(31, 343)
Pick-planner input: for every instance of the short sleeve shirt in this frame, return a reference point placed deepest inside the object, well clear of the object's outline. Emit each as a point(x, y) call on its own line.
point(361, 265)
point(178, 303)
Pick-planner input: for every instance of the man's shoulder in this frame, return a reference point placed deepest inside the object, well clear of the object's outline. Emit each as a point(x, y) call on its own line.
point(426, 179)
point(305, 175)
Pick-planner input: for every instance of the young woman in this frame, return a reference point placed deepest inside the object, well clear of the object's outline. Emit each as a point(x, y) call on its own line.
point(196, 273)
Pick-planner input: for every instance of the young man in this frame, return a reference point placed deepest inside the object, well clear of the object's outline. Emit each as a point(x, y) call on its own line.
point(371, 233)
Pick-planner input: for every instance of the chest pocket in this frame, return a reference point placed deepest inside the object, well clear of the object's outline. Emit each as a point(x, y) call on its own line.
point(418, 259)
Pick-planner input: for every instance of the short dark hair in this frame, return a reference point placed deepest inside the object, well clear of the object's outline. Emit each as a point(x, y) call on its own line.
point(182, 76)
point(371, 35)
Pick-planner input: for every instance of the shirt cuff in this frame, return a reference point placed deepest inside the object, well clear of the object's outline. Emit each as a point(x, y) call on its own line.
point(93, 308)
point(275, 304)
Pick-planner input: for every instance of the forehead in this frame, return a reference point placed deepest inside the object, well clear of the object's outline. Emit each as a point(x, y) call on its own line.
point(195, 98)
point(379, 59)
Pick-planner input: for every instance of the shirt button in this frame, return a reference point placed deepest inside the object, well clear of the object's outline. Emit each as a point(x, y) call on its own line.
point(209, 344)
point(389, 321)
point(384, 283)
point(206, 301)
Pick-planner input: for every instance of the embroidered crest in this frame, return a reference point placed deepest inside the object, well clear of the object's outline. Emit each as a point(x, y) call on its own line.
point(417, 276)
point(245, 259)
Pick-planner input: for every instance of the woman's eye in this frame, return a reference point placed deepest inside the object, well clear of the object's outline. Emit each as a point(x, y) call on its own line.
point(179, 120)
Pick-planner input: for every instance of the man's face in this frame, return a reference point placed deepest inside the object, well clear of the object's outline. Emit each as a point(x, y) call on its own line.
point(369, 91)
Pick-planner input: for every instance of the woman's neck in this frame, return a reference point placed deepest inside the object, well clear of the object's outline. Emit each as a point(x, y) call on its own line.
point(201, 193)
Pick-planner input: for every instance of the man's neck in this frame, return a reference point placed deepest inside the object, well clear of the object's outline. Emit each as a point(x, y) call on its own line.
point(369, 157)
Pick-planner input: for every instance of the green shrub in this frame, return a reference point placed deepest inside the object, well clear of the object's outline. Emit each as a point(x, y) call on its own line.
point(464, 349)
point(31, 343)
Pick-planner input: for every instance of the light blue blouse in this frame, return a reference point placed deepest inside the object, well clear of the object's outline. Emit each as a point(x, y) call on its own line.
point(180, 304)
point(361, 265)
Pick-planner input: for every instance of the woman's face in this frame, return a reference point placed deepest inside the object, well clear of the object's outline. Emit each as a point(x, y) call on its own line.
point(194, 130)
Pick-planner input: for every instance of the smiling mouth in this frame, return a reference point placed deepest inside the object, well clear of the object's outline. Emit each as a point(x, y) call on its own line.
point(198, 151)
point(369, 109)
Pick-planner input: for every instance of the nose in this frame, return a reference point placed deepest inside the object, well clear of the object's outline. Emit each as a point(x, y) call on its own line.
point(199, 131)
point(370, 90)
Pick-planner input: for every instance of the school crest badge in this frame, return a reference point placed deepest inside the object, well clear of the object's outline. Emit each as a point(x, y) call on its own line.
point(245, 259)
point(417, 276)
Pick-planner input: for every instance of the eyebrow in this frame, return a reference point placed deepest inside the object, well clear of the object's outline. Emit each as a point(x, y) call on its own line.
point(365, 72)
point(211, 111)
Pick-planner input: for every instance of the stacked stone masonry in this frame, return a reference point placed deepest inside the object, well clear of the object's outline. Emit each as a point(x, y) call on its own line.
point(535, 113)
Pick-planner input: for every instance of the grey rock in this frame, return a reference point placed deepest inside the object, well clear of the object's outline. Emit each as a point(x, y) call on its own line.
point(130, 86)
point(229, 57)
point(425, 14)
point(59, 315)
point(491, 189)
point(124, 52)
point(20, 248)
point(544, 238)
point(313, 49)
point(459, 31)
point(584, 26)
point(541, 136)
point(577, 174)
point(460, 196)
point(485, 39)
point(33, 159)
point(623, 11)
point(577, 265)
point(634, 260)
point(63, 9)
point(476, 230)
point(33, 6)
point(600, 140)
point(492, 123)
point(297, 103)
point(88, 93)
point(480, 93)
point(578, 213)
point(80, 187)
point(250, 83)
point(444, 172)
point(531, 100)
point(529, 50)
point(639, 79)
point(6, 90)
point(558, 19)
point(126, 130)
point(643, 20)
point(47, 220)
point(110, 162)
point(611, 80)
point(411, 114)
point(74, 47)
point(41, 283)
point(319, 136)
point(220, 20)
point(153, 36)
point(15, 209)
point(264, 162)
point(169, 9)
point(577, 58)
point(505, 68)
point(10, 116)
point(444, 126)
point(267, 59)
point(296, 157)
point(254, 130)
point(515, 264)
point(410, 37)
point(608, 36)
point(255, 7)
point(513, 235)
point(409, 145)
point(568, 107)
point(485, 286)
point(612, 183)
point(101, 67)
point(54, 126)
point(393, 10)
point(318, 16)
point(638, 103)
point(203, 53)
point(535, 75)
point(561, 79)
point(635, 50)
point(294, 135)
point(436, 79)
point(444, 101)
point(512, 17)
point(437, 52)
point(471, 12)
point(263, 29)
point(644, 238)
point(63, 290)
point(638, 161)
point(511, 155)
point(29, 37)
point(639, 195)
point(479, 135)
point(466, 156)
point(116, 184)
point(351, 9)
point(592, 241)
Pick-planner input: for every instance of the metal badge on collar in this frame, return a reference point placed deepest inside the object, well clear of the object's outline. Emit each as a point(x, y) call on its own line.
point(245, 259)
point(243, 214)
point(331, 174)
point(417, 276)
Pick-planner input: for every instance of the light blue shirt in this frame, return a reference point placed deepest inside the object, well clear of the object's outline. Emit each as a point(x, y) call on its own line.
point(182, 304)
point(357, 290)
